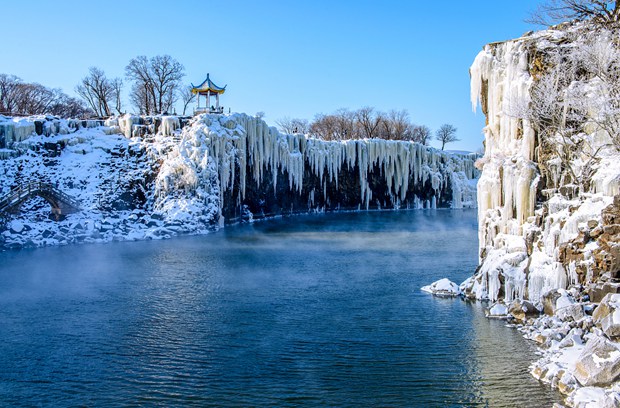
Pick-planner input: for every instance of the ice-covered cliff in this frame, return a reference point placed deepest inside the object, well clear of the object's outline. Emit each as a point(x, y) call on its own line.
point(549, 201)
point(155, 177)
point(263, 172)
point(550, 166)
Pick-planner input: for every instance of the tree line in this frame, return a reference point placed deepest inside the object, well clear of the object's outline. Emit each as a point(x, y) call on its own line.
point(367, 123)
point(155, 87)
point(23, 98)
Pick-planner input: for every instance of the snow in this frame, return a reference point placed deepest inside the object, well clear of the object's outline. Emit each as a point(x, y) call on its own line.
point(523, 231)
point(182, 177)
point(507, 189)
point(442, 287)
point(497, 310)
point(16, 226)
point(592, 397)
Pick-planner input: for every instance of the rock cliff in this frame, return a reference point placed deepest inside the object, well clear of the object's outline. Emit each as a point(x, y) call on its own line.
point(549, 203)
point(153, 177)
point(550, 168)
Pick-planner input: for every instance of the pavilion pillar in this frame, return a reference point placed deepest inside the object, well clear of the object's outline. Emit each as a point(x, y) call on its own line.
point(217, 102)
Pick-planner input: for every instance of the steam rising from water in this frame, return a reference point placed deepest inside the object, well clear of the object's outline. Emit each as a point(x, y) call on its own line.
point(314, 311)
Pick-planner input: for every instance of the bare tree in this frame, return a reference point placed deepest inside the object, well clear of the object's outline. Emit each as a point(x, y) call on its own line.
point(8, 93)
point(369, 121)
point(421, 134)
point(606, 13)
point(167, 74)
point(33, 99)
point(156, 82)
point(260, 115)
point(98, 91)
point(68, 107)
point(345, 125)
point(325, 127)
point(117, 87)
point(446, 134)
point(142, 93)
point(395, 125)
point(187, 96)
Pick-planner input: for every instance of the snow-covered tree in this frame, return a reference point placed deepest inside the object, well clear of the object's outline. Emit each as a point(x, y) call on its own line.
point(291, 126)
point(576, 99)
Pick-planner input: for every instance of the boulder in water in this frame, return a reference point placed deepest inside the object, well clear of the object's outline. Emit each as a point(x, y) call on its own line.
point(498, 311)
point(443, 288)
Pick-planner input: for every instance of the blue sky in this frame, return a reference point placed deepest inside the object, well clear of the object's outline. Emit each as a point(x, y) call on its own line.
point(286, 58)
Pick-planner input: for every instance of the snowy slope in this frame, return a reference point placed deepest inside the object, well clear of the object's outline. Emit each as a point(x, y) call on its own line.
point(142, 178)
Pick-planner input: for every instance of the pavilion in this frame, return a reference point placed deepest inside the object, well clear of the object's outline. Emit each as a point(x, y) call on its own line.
point(208, 88)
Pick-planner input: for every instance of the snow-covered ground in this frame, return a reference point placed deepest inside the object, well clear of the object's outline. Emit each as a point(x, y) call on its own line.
point(137, 181)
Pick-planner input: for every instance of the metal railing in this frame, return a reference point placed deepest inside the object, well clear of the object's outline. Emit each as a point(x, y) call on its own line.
point(21, 193)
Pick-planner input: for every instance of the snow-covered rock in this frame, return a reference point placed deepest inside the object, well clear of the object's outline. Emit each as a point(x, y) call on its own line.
point(521, 310)
point(549, 208)
point(572, 312)
point(607, 315)
point(528, 249)
point(598, 363)
point(443, 288)
point(498, 311)
point(594, 397)
point(154, 177)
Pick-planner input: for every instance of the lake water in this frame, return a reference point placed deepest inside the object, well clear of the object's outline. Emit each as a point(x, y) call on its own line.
point(318, 310)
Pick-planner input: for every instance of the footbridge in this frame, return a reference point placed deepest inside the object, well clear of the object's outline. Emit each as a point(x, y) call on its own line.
point(61, 203)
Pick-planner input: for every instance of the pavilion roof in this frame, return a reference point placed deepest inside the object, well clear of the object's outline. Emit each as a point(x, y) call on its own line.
point(208, 86)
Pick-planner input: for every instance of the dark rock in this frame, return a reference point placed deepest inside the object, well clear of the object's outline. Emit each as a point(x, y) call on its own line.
point(598, 291)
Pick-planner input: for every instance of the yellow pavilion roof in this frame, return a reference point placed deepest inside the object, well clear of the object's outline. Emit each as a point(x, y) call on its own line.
point(208, 86)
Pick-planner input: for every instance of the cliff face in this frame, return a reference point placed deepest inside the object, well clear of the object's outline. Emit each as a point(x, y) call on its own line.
point(142, 178)
point(551, 169)
point(262, 172)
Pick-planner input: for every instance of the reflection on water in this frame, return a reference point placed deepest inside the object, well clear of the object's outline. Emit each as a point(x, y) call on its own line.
point(311, 311)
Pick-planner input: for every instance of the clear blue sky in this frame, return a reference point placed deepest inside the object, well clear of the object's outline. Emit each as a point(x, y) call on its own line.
point(286, 58)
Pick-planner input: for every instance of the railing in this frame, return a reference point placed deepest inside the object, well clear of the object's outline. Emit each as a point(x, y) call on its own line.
point(21, 193)
point(219, 110)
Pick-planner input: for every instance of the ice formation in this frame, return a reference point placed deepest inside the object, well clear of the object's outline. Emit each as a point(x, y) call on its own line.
point(244, 148)
point(520, 235)
point(153, 177)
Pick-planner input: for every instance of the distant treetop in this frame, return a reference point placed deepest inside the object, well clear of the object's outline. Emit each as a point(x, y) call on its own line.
point(605, 13)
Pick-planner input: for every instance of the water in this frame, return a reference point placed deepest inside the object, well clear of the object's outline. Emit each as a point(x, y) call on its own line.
point(307, 311)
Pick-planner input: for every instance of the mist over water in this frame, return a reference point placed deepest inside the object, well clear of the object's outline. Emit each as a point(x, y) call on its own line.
point(318, 310)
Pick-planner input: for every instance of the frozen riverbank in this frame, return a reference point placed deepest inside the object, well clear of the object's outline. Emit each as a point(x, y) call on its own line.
point(148, 178)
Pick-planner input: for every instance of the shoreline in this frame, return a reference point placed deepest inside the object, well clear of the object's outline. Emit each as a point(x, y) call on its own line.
point(572, 341)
